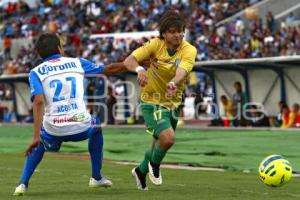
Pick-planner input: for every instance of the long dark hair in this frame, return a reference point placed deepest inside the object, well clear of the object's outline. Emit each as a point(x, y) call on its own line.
point(171, 18)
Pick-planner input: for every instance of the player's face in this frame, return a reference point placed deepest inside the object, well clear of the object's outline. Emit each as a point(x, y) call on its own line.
point(237, 88)
point(223, 100)
point(174, 36)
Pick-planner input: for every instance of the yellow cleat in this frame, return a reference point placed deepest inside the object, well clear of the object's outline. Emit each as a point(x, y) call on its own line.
point(180, 123)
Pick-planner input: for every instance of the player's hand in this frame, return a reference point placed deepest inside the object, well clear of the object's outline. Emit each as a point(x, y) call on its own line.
point(142, 77)
point(171, 88)
point(35, 142)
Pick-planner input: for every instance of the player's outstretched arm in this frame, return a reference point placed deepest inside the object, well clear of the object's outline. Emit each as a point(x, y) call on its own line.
point(38, 111)
point(114, 68)
point(132, 65)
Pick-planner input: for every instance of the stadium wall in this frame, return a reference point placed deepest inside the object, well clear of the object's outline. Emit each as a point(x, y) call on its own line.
point(265, 89)
point(292, 82)
point(266, 80)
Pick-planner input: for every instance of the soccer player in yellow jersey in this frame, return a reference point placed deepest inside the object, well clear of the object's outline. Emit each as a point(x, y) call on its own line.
point(171, 60)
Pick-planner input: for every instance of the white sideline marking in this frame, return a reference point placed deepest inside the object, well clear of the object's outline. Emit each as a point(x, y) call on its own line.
point(172, 166)
point(191, 168)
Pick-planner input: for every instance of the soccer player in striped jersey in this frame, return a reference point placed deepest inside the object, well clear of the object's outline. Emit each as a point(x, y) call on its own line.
point(171, 60)
point(59, 110)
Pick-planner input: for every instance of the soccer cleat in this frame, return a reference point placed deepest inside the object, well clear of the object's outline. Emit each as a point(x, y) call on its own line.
point(180, 123)
point(20, 190)
point(139, 178)
point(103, 182)
point(154, 173)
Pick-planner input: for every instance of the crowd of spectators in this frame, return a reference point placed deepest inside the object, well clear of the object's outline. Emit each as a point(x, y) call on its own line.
point(78, 20)
point(234, 40)
point(286, 117)
point(109, 16)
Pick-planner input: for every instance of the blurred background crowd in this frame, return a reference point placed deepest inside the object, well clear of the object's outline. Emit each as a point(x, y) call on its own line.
point(77, 20)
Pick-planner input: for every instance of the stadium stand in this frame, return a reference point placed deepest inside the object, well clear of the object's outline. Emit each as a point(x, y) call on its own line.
point(94, 17)
point(226, 41)
point(216, 28)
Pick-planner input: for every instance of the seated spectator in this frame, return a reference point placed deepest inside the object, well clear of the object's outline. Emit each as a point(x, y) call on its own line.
point(293, 118)
point(257, 118)
point(228, 110)
point(297, 121)
point(9, 116)
point(278, 120)
point(285, 116)
point(29, 118)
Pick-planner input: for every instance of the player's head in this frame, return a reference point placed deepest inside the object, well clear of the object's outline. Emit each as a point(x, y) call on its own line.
point(285, 109)
point(48, 44)
point(223, 99)
point(171, 27)
point(109, 91)
point(281, 103)
point(238, 86)
point(296, 107)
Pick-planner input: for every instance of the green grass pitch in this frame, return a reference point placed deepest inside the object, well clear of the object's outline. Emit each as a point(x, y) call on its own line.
point(67, 178)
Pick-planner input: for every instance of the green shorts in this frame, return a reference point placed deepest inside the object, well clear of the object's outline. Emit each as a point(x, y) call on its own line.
point(158, 118)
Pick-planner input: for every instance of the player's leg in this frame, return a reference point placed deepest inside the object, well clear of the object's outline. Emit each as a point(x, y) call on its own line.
point(30, 165)
point(167, 121)
point(96, 152)
point(95, 144)
point(162, 145)
point(32, 160)
point(141, 171)
point(143, 167)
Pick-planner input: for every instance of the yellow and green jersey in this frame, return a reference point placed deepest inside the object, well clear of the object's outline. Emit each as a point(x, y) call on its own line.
point(162, 69)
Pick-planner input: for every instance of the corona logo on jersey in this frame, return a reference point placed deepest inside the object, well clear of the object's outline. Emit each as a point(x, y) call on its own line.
point(46, 69)
point(275, 171)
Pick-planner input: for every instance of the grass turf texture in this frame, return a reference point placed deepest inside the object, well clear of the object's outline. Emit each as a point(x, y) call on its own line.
point(64, 179)
point(67, 178)
point(233, 150)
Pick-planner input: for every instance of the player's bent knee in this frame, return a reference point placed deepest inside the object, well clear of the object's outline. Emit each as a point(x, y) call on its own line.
point(167, 138)
point(169, 141)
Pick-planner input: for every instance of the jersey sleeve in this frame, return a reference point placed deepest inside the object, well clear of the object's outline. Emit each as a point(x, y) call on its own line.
point(188, 59)
point(91, 68)
point(36, 86)
point(144, 52)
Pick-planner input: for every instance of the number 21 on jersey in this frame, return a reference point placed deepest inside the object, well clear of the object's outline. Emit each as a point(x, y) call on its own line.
point(58, 86)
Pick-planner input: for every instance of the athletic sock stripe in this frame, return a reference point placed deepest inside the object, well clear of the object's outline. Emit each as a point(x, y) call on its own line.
point(271, 159)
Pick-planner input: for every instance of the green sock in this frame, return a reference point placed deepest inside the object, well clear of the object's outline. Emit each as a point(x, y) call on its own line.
point(144, 164)
point(158, 154)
